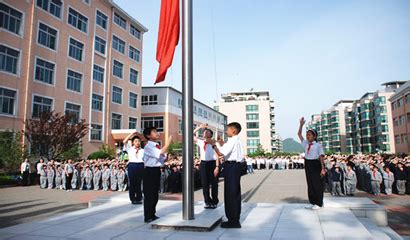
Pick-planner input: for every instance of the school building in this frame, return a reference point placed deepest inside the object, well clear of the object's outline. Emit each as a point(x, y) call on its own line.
point(400, 104)
point(162, 108)
point(81, 57)
point(365, 126)
point(255, 112)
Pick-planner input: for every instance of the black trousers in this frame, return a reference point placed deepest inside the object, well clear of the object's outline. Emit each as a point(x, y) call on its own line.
point(208, 179)
point(68, 181)
point(151, 181)
point(232, 191)
point(314, 182)
point(135, 176)
point(26, 178)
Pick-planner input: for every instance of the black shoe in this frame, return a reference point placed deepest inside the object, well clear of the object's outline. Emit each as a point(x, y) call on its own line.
point(230, 225)
point(148, 220)
point(213, 206)
point(137, 202)
point(208, 206)
point(155, 218)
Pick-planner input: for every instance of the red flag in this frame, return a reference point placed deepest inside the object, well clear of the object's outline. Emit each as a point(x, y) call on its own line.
point(168, 36)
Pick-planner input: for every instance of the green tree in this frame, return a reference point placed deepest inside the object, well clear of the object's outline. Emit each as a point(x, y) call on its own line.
point(175, 148)
point(11, 151)
point(104, 152)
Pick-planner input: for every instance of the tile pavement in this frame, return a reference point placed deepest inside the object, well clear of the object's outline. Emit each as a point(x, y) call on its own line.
point(122, 221)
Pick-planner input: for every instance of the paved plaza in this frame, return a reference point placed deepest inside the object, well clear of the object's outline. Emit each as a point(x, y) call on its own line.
point(272, 209)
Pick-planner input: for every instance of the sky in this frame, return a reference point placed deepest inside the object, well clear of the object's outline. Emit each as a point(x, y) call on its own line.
point(307, 54)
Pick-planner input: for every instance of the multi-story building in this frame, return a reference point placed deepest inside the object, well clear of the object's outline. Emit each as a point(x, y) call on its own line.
point(81, 57)
point(255, 112)
point(331, 127)
point(361, 126)
point(370, 122)
point(400, 103)
point(162, 108)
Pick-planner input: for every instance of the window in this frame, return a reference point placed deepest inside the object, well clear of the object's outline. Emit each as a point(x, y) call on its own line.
point(134, 53)
point(133, 76)
point(41, 105)
point(252, 150)
point(76, 49)
point(116, 121)
point(7, 101)
point(252, 125)
point(96, 132)
point(51, 6)
point(10, 19)
point(404, 138)
point(157, 122)
point(97, 102)
point(99, 45)
point(9, 59)
point(77, 20)
point(408, 98)
point(253, 142)
point(402, 120)
point(118, 44)
point(44, 71)
point(149, 100)
point(179, 103)
point(98, 73)
point(116, 95)
point(132, 123)
point(252, 116)
point(74, 80)
point(87, 2)
point(135, 32)
point(252, 108)
point(252, 133)
point(397, 139)
point(73, 111)
point(101, 19)
point(180, 126)
point(133, 100)
point(120, 21)
point(117, 69)
point(47, 36)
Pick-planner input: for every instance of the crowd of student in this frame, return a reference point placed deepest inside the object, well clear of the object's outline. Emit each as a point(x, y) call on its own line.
point(103, 174)
point(274, 163)
point(374, 174)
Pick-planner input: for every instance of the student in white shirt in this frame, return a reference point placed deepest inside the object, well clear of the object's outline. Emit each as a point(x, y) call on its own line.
point(154, 157)
point(209, 167)
point(25, 170)
point(132, 144)
point(231, 153)
point(314, 166)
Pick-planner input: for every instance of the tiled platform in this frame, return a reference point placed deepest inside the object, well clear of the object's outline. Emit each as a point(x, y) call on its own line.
point(121, 220)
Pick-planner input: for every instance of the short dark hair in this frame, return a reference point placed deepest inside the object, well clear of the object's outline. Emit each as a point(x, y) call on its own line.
point(209, 130)
point(135, 137)
point(147, 131)
point(235, 125)
point(314, 132)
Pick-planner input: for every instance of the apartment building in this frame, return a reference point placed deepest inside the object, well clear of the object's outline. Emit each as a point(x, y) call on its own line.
point(400, 104)
point(331, 127)
point(255, 112)
point(162, 108)
point(79, 57)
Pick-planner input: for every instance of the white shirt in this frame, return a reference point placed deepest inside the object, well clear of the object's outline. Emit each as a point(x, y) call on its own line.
point(152, 155)
point(39, 167)
point(134, 155)
point(25, 165)
point(315, 151)
point(206, 152)
point(232, 150)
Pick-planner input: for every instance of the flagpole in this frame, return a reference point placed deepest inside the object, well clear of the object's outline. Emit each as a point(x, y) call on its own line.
point(187, 112)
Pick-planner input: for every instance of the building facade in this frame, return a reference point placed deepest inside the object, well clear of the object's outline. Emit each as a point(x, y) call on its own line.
point(400, 104)
point(255, 112)
point(331, 127)
point(81, 57)
point(360, 126)
point(162, 108)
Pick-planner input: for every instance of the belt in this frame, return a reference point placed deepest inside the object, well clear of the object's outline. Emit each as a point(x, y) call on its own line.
point(312, 159)
point(151, 167)
point(208, 160)
point(136, 162)
point(231, 162)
